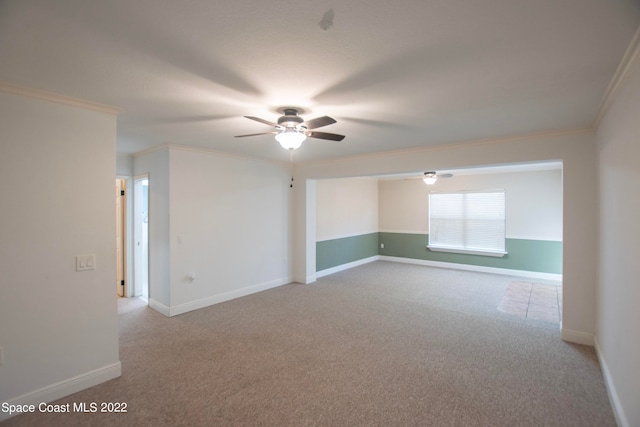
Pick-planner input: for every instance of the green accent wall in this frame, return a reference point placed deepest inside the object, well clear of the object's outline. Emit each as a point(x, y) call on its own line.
point(331, 253)
point(542, 256)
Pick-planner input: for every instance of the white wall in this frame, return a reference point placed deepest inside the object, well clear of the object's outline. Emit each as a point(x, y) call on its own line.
point(346, 207)
point(224, 218)
point(619, 287)
point(575, 149)
point(403, 206)
point(58, 327)
point(124, 164)
point(533, 202)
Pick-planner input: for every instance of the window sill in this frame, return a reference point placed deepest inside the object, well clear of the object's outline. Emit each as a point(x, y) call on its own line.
point(498, 254)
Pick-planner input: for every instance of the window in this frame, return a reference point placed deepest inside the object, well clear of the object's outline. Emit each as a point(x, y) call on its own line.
point(468, 222)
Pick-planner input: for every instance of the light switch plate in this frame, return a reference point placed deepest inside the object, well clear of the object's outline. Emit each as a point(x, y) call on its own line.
point(85, 262)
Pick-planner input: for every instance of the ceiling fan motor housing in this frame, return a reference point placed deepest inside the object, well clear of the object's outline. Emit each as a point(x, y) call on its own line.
point(290, 119)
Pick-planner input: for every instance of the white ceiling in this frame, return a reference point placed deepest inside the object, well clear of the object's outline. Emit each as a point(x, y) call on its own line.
point(394, 75)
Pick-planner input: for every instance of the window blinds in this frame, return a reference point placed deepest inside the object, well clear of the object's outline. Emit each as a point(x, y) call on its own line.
point(468, 220)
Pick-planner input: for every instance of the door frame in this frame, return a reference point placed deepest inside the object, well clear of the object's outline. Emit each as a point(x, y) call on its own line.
point(128, 229)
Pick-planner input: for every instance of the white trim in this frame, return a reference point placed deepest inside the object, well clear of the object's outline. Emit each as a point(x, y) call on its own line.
point(346, 266)
point(304, 280)
point(44, 95)
point(159, 307)
point(618, 410)
point(577, 337)
point(545, 239)
point(175, 310)
point(630, 57)
point(128, 236)
point(466, 251)
point(66, 387)
point(478, 268)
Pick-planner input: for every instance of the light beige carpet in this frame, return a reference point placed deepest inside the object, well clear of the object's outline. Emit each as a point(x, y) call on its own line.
point(383, 344)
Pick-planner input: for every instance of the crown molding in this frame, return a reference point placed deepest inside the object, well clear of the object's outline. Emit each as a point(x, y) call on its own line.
point(631, 56)
point(43, 95)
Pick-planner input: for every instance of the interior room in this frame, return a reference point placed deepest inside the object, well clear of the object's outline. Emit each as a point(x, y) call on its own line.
point(270, 161)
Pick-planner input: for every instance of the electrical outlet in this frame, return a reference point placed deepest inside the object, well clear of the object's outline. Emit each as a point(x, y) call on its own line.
point(381, 245)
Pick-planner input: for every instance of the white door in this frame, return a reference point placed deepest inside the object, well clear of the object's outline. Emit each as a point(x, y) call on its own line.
point(141, 236)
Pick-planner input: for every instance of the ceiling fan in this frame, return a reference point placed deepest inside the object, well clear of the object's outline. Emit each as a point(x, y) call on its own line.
point(431, 177)
point(292, 130)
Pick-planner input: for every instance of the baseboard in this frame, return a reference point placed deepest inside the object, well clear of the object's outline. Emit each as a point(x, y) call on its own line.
point(159, 307)
point(304, 279)
point(577, 337)
point(618, 410)
point(65, 388)
point(346, 266)
point(175, 310)
point(478, 268)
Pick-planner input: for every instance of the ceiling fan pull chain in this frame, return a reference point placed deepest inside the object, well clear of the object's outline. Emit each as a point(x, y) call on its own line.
point(291, 163)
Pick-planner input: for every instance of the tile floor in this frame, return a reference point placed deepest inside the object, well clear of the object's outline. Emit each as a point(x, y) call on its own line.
point(533, 301)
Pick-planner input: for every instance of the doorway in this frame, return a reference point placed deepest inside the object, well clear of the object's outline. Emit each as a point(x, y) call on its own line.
point(141, 236)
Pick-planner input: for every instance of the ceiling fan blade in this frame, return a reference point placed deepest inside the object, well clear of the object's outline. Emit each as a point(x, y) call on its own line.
point(444, 175)
point(319, 122)
point(325, 135)
point(258, 119)
point(255, 134)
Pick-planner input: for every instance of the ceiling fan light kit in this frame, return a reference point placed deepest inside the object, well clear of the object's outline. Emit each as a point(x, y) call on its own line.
point(430, 178)
point(290, 138)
